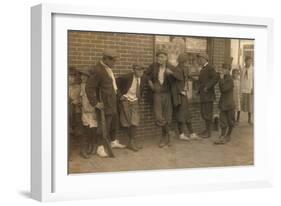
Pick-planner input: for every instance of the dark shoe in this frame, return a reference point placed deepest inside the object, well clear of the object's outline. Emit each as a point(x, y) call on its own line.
point(206, 135)
point(139, 147)
point(132, 146)
point(169, 144)
point(203, 133)
point(163, 142)
point(220, 140)
point(84, 155)
point(227, 138)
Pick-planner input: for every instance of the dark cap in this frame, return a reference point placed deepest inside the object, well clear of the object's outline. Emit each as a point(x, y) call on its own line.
point(138, 66)
point(85, 71)
point(227, 63)
point(203, 55)
point(183, 57)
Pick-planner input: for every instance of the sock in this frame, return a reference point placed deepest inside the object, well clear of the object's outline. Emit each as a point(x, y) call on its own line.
point(249, 117)
point(181, 127)
point(223, 131)
point(229, 131)
point(238, 116)
point(189, 127)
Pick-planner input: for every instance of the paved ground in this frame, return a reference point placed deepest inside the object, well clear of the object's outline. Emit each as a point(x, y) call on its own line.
point(182, 154)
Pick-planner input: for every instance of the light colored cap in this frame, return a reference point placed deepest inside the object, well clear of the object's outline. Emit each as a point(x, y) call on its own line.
point(110, 53)
point(204, 56)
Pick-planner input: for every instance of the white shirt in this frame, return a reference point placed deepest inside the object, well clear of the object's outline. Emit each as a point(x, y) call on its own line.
point(110, 73)
point(161, 74)
point(132, 92)
point(247, 80)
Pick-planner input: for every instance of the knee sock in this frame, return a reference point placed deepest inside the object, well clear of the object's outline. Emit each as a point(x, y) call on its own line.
point(249, 117)
point(208, 125)
point(132, 132)
point(181, 127)
point(223, 131)
point(238, 116)
point(229, 131)
point(189, 127)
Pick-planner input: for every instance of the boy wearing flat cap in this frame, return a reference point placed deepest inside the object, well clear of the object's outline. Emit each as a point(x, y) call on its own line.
point(208, 78)
point(89, 119)
point(226, 104)
point(101, 90)
point(159, 81)
point(130, 87)
point(180, 98)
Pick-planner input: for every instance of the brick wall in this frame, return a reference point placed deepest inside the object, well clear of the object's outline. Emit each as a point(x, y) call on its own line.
point(85, 48)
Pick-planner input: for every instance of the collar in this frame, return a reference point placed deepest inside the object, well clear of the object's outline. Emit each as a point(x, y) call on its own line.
point(205, 64)
point(103, 64)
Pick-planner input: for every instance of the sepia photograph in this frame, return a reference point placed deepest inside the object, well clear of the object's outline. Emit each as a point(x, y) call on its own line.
point(155, 102)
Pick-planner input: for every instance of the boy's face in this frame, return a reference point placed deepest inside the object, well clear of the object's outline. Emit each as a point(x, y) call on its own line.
point(110, 61)
point(248, 62)
point(162, 59)
point(138, 72)
point(74, 78)
point(225, 70)
point(235, 74)
point(84, 78)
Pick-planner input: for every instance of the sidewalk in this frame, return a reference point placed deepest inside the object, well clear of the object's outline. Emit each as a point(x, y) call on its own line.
point(182, 154)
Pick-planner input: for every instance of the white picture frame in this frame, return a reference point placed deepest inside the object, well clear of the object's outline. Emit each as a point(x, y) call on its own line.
point(49, 178)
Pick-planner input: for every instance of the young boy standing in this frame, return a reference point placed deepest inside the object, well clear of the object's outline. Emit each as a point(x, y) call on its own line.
point(226, 104)
point(89, 120)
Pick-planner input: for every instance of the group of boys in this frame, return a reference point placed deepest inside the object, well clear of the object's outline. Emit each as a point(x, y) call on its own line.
point(119, 98)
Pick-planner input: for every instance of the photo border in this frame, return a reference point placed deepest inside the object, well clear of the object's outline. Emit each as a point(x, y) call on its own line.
point(43, 88)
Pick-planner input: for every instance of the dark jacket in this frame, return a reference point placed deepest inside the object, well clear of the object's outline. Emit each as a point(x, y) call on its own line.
point(100, 81)
point(226, 88)
point(124, 83)
point(152, 74)
point(180, 76)
point(208, 78)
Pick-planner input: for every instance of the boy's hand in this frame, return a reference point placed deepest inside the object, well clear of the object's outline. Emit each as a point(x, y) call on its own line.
point(151, 86)
point(169, 71)
point(122, 98)
point(99, 105)
point(205, 89)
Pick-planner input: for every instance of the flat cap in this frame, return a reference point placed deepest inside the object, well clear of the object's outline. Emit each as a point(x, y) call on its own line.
point(183, 57)
point(138, 66)
point(227, 63)
point(110, 53)
point(85, 71)
point(162, 51)
point(203, 55)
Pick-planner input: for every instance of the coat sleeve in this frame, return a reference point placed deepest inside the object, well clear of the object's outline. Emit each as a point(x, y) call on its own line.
point(177, 74)
point(91, 88)
point(226, 85)
point(213, 78)
point(149, 76)
point(120, 85)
